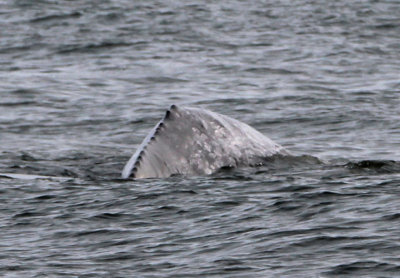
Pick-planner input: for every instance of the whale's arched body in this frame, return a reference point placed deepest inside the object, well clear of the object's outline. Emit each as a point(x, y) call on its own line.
point(194, 141)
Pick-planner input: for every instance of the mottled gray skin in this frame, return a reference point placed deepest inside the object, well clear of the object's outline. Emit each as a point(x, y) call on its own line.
point(194, 141)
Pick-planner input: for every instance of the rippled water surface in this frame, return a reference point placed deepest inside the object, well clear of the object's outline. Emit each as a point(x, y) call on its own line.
point(82, 82)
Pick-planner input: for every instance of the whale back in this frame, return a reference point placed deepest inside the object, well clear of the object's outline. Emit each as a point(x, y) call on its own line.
point(194, 141)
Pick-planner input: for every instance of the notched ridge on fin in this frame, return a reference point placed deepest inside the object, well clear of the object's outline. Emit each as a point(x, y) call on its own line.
point(133, 172)
point(137, 163)
point(158, 128)
point(171, 112)
point(152, 139)
point(167, 115)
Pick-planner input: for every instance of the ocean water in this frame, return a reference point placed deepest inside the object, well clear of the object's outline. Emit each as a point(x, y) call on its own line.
point(82, 83)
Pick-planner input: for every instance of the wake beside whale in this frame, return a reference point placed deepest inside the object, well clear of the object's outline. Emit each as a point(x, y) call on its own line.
point(192, 141)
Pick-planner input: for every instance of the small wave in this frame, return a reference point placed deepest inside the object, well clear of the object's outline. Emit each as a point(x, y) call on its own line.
point(56, 17)
point(265, 70)
point(117, 257)
point(363, 267)
point(27, 214)
point(88, 48)
point(325, 241)
point(375, 166)
point(17, 103)
point(164, 79)
point(109, 216)
point(266, 165)
point(289, 161)
point(23, 92)
point(385, 26)
point(16, 176)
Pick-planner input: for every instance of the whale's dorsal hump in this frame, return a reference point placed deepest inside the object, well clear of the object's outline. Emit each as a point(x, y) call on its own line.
point(195, 141)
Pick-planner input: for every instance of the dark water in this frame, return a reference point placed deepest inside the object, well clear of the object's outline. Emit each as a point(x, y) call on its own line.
point(82, 82)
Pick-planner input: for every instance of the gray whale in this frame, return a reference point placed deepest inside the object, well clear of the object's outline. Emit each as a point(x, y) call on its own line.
point(193, 141)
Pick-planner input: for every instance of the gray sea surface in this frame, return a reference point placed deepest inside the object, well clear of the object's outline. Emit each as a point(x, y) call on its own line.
point(83, 82)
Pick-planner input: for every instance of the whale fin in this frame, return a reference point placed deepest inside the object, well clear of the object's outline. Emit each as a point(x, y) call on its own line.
point(194, 141)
